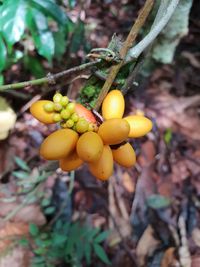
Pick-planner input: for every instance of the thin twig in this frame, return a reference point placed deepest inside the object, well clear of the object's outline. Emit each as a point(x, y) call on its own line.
point(151, 36)
point(125, 48)
point(50, 78)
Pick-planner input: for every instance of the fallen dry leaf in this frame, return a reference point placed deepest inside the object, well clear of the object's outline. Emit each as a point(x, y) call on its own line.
point(17, 257)
point(146, 246)
point(168, 259)
point(127, 182)
point(10, 231)
point(30, 213)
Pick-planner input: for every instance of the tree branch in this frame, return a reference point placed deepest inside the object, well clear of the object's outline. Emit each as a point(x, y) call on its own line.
point(126, 46)
point(50, 78)
point(150, 37)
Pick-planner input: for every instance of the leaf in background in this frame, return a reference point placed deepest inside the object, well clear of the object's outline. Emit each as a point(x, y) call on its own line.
point(78, 37)
point(71, 3)
point(49, 7)
point(42, 36)
point(101, 237)
point(21, 163)
point(1, 79)
point(12, 23)
point(3, 54)
point(49, 210)
point(157, 201)
point(87, 248)
point(99, 251)
point(33, 229)
point(34, 66)
point(60, 43)
point(168, 136)
point(21, 174)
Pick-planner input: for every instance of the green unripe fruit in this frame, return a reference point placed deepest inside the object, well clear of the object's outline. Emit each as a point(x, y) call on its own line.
point(57, 98)
point(49, 107)
point(57, 117)
point(57, 107)
point(75, 117)
point(69, 123)
point(82, 126)
point(65, 114)
point(64, 101)
point(71, 107)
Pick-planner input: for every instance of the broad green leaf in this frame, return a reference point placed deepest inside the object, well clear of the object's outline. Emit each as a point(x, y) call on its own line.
point(21, 174)
point(34, 66)
point(59, 239)
point(3, 54)
point(23, 242)
point(50, 8)
point(157, 201)
point(60, 43)
point(101, 237)
point(21, 163)
point(45, 202)
point(33, 229)
point(72, 3)
point(99, 251)
point(42, 36)
point(12, 20)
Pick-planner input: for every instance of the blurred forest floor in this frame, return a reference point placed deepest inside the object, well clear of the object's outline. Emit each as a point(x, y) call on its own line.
point(153, 210)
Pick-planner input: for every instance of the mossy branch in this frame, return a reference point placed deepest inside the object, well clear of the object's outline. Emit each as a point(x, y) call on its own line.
point(50, 78)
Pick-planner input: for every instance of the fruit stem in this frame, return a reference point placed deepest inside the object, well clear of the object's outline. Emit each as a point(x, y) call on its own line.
point(124, 50)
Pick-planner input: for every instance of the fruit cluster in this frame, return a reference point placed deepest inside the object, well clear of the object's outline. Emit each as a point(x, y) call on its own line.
point(83, 139)
point(67, 114)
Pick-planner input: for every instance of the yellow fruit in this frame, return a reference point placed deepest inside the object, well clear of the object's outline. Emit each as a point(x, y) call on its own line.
point(59, 144)
point(38, 111)
point(113, 105)
point(71, 162)
point(103, 167)
point(89, 146)
point(124, 155)
point(139, 125)
point(114, 131)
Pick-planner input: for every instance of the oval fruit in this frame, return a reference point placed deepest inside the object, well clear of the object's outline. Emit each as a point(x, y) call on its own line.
point(139, 125)
point(85, 113)
point(37, 110)
point(59, 144)
point(89, 146)
point(103, 168)
point(114, 131)
point(124, 155)
point(113, 105)
point(71, 162)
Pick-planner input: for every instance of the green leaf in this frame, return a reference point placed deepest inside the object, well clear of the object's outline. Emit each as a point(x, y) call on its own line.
point(23, 242)
point(60, 43)
point(59, 239)
point(12, 22)
point(71, 3)
point(73, 238)
point(50, 8)
point(33, 229)
point(34, 66)
point(157, 201)
point(87, 252)
point(42, 36)
point(99, 251)
point(1, 79)
point(3, 54)
point(168, 136)
point(21, 163)
point(45, 202)
point(78, 37)
point(21, 174)
point(49, 210)
point(101, 237)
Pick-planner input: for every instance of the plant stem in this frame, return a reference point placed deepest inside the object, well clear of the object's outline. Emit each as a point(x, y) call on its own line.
point(50, 78)
point(151, 36)
point(126, 46)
